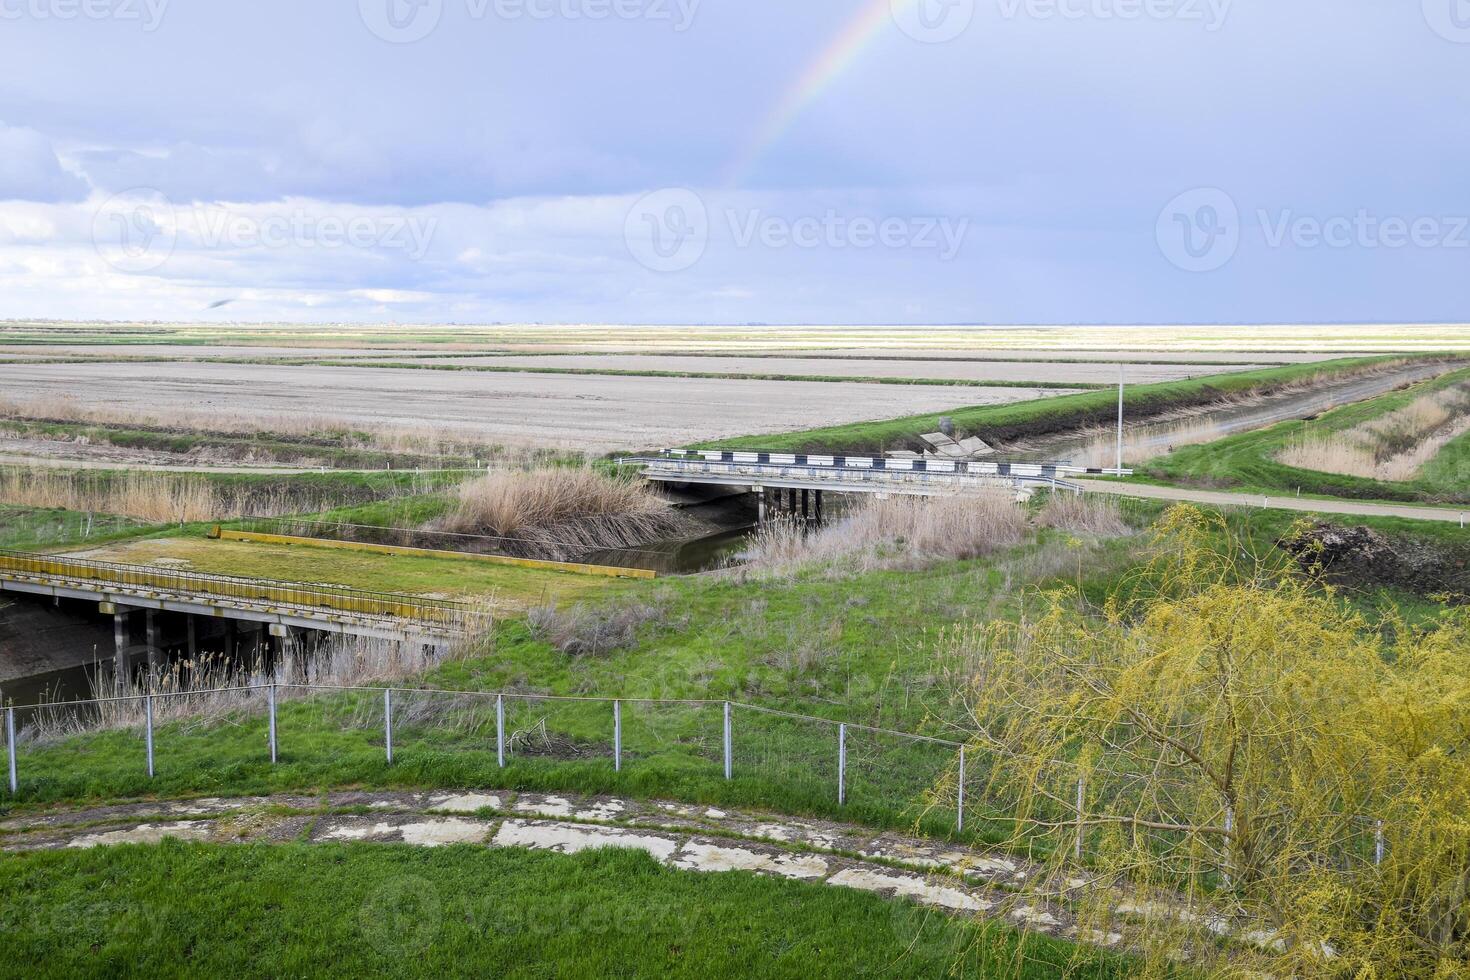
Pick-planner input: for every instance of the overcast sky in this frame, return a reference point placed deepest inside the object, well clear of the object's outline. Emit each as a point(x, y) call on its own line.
point(872, 161)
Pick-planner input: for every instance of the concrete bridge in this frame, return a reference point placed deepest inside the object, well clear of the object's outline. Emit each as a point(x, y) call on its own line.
point(249, 606)
point(811, 475)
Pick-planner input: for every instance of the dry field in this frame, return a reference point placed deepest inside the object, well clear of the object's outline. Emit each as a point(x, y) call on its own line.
point(951, 368)
point(545, 410)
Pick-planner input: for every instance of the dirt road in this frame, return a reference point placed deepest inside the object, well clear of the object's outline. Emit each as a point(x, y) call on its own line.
point(1305, 504)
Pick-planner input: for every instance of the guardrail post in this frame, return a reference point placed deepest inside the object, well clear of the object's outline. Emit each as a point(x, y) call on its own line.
point(388, 723)
point(960, 814)
point(10, 748)
point(148, 730)
point(729, 748)
point(617, 736)
point(270, 701)
point(841, 765)
point(500, 729)
point(1081, 803)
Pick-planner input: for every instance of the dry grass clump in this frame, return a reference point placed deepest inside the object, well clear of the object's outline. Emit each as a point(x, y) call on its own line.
point(562, 512)
point(1100, 516)
point(900, 532)
point(214, 689)
point(1392, 448)
point(594, 630)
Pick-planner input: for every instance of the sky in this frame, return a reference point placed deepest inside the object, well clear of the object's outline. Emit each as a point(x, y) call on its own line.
point(734, 161)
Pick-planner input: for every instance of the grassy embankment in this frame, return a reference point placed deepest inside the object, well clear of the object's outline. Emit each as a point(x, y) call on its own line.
point(392, 910)
point(1006, 423)
point(867, 649)
point(1248, 461)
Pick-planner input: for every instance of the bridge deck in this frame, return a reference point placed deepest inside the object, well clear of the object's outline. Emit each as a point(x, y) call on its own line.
point(855, 474)
point(331, 609)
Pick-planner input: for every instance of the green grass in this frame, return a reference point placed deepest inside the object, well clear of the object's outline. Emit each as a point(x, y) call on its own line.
point(1247, 461)
point(44, 528)
point(509, 587)
point(190, 910)
point(1008, 422)
point(867, 649)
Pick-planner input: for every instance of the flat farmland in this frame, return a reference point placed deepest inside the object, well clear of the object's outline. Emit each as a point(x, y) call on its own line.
point(953, 368)
point(598, 413)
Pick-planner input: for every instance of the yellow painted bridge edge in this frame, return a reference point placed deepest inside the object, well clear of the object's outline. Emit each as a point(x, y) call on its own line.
point(608, 571)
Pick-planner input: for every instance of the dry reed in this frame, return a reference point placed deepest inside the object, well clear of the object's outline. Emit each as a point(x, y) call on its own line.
point(154, 497)
point(562, 512)
point(900, 532)
point(1099, 516)
point(214, 689)
point(1393, 447)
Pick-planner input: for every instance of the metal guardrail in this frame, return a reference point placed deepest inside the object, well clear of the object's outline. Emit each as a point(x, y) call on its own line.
point(838, 477)
point(360, 602)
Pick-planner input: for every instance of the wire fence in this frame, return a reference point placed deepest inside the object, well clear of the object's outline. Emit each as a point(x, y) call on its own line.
point(785, 761)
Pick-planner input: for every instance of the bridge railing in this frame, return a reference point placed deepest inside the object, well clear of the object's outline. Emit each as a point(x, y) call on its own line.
point(360, 602)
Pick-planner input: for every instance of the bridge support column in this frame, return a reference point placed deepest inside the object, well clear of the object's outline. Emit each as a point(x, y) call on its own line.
point(192, 630)
point(150, 627)
point(760, 505)
point(805, 512)
point(819, 507)
point(121, 640)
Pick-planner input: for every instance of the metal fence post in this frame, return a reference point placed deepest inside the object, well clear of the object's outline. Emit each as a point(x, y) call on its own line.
point(617, 736)
point(841, 765)
point(729, 754)
point(500, 729)
point(10, 747)
point(388, 722)
point(148, 730)
point(1081, 802)
point(1378, 843)
point(270, 701)
point(960, 815)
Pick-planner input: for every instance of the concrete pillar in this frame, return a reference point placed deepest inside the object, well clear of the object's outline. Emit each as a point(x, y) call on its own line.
point(192, 629)
point(150, 626)
point(760, 505)
point(120, 639)
point(819, 506)
point(805, 515)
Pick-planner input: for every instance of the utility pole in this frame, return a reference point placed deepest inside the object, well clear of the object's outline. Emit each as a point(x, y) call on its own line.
point(1120, 417)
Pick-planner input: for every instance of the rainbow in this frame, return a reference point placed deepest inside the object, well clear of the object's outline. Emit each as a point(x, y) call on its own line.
point(840, 55)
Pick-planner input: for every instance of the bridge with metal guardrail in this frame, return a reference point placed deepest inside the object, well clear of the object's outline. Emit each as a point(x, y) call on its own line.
point(120, 589)
point(927, 476)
